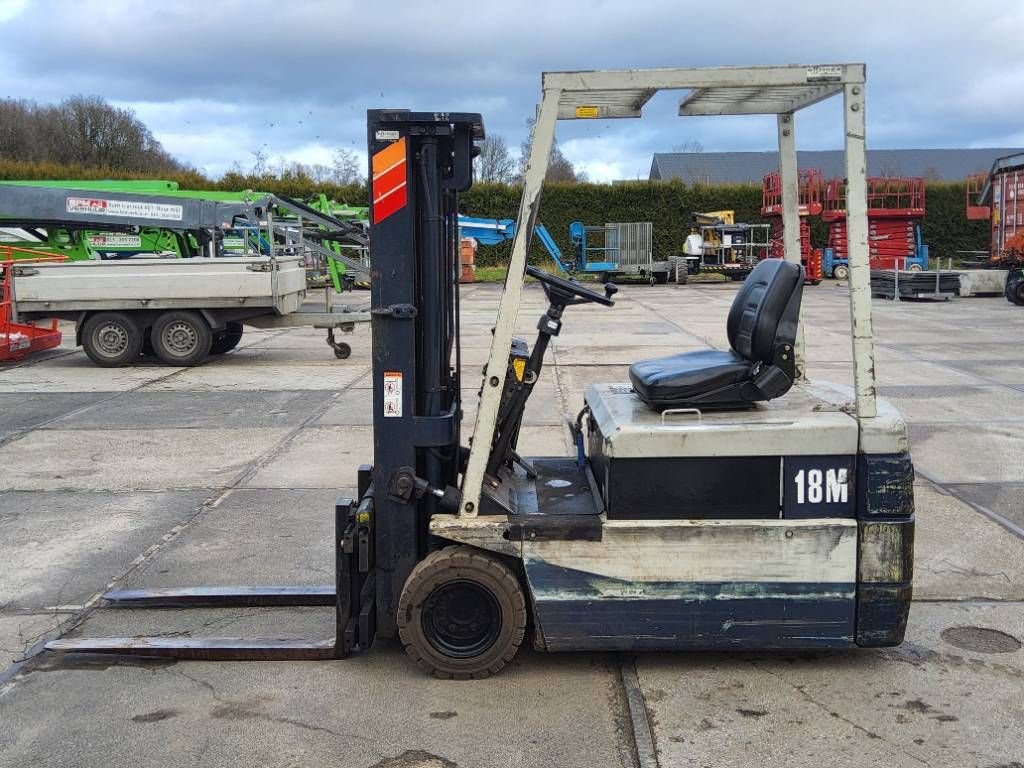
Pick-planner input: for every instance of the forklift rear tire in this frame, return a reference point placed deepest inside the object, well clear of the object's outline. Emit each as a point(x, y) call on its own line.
point(112, 339)
point(462, 614)
point(226, 340)
point(841, 272)
point(181, 338)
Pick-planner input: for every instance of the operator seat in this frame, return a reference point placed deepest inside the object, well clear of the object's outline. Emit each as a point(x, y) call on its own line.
point(759, 364)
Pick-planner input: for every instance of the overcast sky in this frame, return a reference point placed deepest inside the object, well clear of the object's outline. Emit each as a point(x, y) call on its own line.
point(217, 80)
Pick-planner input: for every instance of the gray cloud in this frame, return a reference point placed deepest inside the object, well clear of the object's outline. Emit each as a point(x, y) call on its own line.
point(218, 80)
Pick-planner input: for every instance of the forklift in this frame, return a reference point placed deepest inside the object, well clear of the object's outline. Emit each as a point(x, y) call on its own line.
point(644, 539)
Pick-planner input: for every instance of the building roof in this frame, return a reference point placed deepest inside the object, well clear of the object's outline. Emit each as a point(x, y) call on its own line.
point(750, 167)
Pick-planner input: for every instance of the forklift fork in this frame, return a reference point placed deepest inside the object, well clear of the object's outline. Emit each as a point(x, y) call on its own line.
point(352, 597)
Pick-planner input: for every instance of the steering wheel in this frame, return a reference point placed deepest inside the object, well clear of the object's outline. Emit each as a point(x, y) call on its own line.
point(571, 292)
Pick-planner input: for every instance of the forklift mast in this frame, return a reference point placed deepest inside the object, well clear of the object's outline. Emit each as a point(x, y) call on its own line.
point(419, 162)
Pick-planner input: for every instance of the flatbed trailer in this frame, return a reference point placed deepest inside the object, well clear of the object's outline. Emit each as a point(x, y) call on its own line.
point(181, 310)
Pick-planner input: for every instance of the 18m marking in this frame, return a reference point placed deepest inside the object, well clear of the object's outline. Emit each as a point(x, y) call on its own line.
point(816, 485)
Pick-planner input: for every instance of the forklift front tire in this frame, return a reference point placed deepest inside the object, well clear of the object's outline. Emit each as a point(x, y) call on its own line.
point(462, 614)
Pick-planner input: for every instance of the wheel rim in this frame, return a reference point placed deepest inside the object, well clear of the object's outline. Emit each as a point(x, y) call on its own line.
point(841, 273)
point(461, 619)
point(111, 339)
point(179, 339)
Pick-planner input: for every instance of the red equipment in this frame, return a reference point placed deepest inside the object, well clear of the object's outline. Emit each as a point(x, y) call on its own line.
point(998, 196)
point(809, 186)
point(18, 340)
point(975, 183)
point(895, 205)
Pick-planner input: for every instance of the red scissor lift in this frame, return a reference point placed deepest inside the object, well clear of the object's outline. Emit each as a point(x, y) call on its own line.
point(809, 183)
point(18, 340)
point(895, 208)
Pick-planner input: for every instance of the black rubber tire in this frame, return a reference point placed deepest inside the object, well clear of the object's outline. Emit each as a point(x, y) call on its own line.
point(112, 339)
point(679, 271)
point(841, 272)
point(181, 338)
point(1015, 292)
point(342, 351)
point(461, 565)
point(226, 340)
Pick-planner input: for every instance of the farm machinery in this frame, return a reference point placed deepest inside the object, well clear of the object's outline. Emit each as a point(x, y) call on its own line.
point(642, 540)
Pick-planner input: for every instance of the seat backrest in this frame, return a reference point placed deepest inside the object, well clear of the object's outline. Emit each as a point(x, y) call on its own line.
point(766, 310)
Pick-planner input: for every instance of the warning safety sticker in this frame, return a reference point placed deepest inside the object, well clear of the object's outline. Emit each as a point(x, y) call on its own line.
point(392, 394)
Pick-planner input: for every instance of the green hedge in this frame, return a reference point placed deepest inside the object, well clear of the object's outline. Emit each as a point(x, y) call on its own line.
point(669, 205)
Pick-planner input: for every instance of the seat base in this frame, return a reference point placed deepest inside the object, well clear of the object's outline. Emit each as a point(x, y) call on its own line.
point(704, 379)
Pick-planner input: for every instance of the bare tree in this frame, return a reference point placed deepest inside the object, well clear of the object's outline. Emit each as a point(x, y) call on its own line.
point(560, 168)
point(494, 163)
point(259, 163)
point(889, 169)
point(346, 168)
point(690, 146)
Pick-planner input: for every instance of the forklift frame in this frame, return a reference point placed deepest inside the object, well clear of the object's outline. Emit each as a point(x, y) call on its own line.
point(780, 91)
point(411, 497)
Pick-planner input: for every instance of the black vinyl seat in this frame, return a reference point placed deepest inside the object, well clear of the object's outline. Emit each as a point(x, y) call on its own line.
point(759, 365)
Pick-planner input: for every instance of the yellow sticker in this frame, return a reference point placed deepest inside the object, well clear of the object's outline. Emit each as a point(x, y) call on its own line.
point(588, 112)
point(519, 366)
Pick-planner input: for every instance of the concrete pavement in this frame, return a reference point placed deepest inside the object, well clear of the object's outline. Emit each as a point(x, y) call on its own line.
point(225, 474)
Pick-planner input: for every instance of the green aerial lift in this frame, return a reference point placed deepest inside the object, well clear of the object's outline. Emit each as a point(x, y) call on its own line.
point(328, 232)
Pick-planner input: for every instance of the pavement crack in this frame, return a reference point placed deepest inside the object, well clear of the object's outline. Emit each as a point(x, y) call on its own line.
point(802, 690)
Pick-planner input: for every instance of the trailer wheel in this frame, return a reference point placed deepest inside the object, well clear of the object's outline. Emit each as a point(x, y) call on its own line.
point(462, 614)
point(181, 338)
point(841, 272)
point(226, 340)
point(112, 339)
